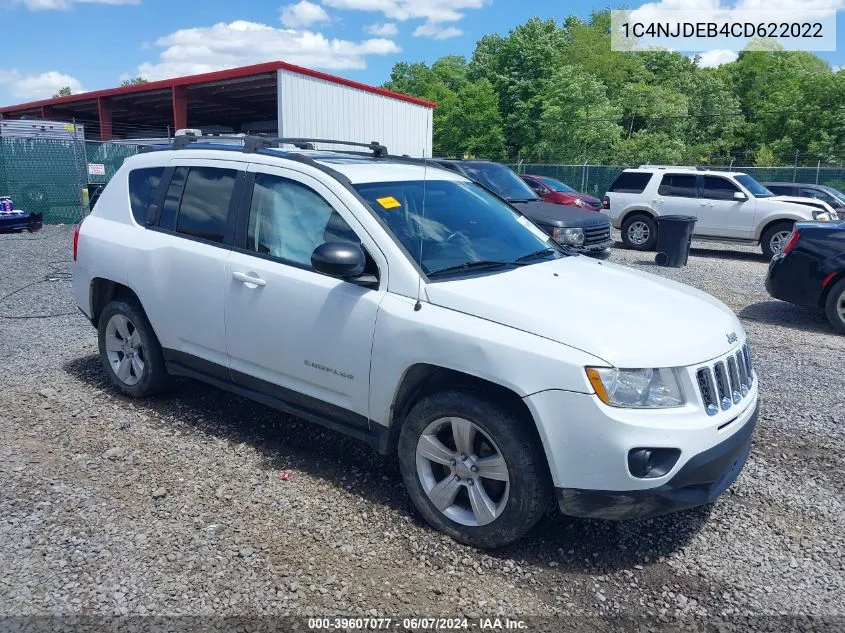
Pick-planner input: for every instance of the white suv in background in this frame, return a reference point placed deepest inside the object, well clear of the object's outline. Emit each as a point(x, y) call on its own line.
point(409, 307)
point(729, 207)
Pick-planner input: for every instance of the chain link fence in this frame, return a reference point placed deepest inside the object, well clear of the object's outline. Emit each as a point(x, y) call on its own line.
point(54, 176)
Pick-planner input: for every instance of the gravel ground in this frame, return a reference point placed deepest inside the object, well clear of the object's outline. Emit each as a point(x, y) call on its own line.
point(178, 505)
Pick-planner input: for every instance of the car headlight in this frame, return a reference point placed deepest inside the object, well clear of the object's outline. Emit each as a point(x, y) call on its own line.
point(823, 216)
point(636, 388)
point(569, 237)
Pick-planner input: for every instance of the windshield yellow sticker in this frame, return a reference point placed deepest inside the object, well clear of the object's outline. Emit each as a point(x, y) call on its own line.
point(388, 202)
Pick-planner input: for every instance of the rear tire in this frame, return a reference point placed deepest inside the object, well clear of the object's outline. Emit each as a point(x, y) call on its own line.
point(480, 462)
point(129, 350)
point(639, 232)
point(835, 306)
point(774, 238)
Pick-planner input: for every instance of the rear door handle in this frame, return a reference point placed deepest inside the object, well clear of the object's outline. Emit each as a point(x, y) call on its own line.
point(249, 279)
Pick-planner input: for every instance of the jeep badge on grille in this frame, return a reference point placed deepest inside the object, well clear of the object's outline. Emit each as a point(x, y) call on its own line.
point(732, 337)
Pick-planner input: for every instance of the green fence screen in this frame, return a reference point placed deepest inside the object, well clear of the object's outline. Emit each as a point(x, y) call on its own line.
point(50, 176)
point(53, 176)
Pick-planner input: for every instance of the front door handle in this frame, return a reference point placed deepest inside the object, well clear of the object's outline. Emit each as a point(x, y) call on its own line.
point(249, 279)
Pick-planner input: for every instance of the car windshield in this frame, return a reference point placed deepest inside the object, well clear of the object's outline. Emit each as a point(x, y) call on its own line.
point(757, 190)
point(500, 180)
point(456, 225)
point(836, 194)
point(556, 185)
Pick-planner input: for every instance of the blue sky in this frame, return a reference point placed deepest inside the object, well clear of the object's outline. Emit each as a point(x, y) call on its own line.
point(93, 44)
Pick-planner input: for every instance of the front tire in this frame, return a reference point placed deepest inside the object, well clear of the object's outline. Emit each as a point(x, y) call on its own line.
point(639, 232)
point(835, 306)
point(129, 350)
point(473, 469)
point(775, 237)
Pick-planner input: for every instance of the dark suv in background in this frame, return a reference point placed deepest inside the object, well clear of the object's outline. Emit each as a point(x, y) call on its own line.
point(584, 231)
point(833, 197)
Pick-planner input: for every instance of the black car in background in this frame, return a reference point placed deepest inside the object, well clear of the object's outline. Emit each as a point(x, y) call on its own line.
point(833, 197)
point(584, 231)
point(810, 271)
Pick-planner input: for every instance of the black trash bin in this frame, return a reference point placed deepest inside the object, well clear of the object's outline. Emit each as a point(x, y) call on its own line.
point(674, 235)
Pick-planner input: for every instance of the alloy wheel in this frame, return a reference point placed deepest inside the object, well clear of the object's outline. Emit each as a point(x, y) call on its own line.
point(124, 349)
point(462, 471)
point(638, 233)
point(779, 240)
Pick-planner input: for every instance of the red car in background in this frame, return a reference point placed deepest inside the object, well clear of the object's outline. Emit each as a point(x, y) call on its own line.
point(552, 190)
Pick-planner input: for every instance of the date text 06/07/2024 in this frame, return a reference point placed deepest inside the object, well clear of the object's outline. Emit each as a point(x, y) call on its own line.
point(416, 624)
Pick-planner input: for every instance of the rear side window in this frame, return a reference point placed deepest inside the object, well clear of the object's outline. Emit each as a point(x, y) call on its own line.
point(678, 185)
point(143, 184)
point(630, 182)
point(204, 210)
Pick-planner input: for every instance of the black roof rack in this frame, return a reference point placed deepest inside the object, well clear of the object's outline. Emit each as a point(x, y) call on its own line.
point(253, 143)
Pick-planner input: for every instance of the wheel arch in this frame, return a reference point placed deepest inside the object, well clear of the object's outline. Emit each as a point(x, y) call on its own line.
point(629, 213)
point(422, 379)
point(825, 293)
point(102, 291)
point(769, 222)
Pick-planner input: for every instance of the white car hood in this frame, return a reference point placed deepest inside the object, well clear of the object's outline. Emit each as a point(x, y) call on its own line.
point(628, 318)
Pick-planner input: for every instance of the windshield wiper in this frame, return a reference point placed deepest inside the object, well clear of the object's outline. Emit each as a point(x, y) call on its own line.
point(535, 255)
point(467, 265)
point(521, 199)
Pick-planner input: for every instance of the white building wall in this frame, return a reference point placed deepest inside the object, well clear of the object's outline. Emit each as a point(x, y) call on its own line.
point(310, 107)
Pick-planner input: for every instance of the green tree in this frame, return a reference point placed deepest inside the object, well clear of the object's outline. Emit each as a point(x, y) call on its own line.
point(64, 91)
point(134, 81)
point(578, 120)
point(526, 61)
point(764, 157)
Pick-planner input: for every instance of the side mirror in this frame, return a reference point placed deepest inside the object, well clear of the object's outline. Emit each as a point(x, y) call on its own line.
point(344, 260)
point(738, 195)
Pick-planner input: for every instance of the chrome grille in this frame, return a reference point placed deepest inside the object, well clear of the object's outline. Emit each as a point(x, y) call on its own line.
point(726, 382)
point(596, 234)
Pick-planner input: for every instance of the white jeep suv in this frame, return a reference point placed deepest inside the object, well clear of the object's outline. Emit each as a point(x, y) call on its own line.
point(729, 207)
point(409, 307)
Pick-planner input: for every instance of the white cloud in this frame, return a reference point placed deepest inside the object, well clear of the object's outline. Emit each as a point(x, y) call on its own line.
point(204, 49)
point(48, 5)
point(716, 57)
point(303, 13)
point(388, 29)
point(35, 87)
point(430, 29)
point(434, 12)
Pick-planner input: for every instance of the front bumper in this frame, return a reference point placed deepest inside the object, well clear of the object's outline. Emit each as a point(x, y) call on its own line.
point(700, 481)
point(593, 249)
point(20, 221)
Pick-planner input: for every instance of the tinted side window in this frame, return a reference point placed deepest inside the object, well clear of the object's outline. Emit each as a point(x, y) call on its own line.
point(678, 185)
point(204, 210)
point(818, 194)
point(717, 188)
point(630, 182)
point(143, 184)
point(780, 190)
point(288, 221)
